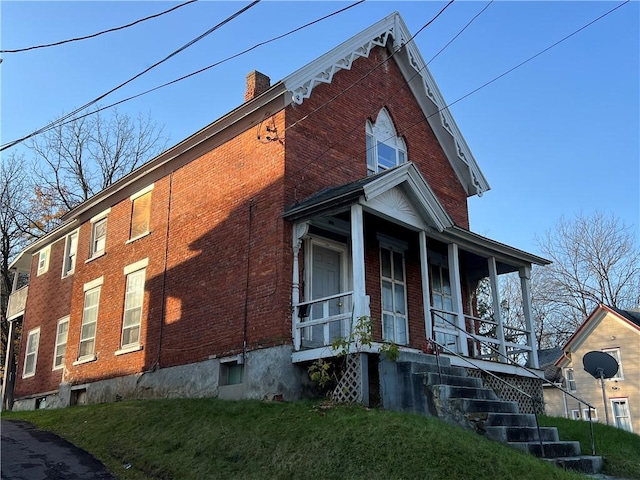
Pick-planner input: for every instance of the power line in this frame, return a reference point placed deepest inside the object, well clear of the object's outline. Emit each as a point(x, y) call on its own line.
point(77, 39)
point(422, 120)
point(96, 100)
point(184, 77)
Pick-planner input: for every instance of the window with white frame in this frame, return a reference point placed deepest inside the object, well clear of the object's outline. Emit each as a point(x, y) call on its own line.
point(615, 353)
point(571, 381)
point(133, 299)
point(575, 414)
point(394, 295)
point(70, 250)
point(384, 148)
point(621, 415)
point(61, 343)
point(140, 213)
point(43, 260)
point(444, 318)
point(31, 354)
point(89, 321)
point(594, 414)
point(98, 237)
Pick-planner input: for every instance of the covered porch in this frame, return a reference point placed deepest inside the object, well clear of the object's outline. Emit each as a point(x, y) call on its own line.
point(385, 248)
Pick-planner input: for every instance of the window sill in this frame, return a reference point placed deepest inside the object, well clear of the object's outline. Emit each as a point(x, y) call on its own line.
point(68, 274)
point(29, 375)
point(95, 256)
point(87, 359)
point(55, 369)
point(128, 349)
point(131, 240)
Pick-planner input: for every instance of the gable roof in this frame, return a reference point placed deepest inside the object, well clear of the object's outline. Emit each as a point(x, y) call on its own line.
point(391, 32)
point(629, 318)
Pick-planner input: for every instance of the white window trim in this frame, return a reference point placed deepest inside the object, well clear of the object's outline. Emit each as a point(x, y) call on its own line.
point(93, 284)
point(573, 380)
point(594, 414)
point(130, 270)
point(45, 268)
point(95, 219)
point(401, 247)
point(136, 347)
point(57, 344)
point(100, 216)
point(141, 192)
point(67, 252)
point(575, 414)
point(85, 359)
point(383, 131)
point(620, 374)
point(134, 267)
point(35, 331)
point(613, 412)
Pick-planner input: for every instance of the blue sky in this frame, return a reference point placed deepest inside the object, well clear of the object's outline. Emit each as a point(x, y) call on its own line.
point(558, 136)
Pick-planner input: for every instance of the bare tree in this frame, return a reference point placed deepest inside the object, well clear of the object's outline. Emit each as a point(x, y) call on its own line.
point(595, 260)
point(77, 159)
point(14, 193)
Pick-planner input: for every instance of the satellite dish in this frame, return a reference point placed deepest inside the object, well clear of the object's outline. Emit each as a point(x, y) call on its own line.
point(600, 365)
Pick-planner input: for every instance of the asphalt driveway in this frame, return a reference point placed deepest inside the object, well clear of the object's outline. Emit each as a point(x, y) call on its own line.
point(32, 454)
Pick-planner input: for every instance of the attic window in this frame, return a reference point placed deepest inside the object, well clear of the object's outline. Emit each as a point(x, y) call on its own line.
point(384, 148)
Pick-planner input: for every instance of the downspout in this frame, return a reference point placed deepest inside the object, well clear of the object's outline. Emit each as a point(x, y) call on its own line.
point(246, 288)
point(156, 364)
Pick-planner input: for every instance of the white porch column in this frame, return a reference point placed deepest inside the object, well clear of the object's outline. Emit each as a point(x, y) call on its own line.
point(456, 293)
point(360, 304)
point(525, 285)
point(299, 231)
point(497, 315)
point(426, 297)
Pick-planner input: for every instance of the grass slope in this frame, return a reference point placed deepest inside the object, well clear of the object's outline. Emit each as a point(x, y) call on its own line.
point(620, 450)
point(209, 438)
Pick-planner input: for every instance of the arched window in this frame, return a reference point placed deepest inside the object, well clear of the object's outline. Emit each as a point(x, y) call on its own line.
point(384, 148)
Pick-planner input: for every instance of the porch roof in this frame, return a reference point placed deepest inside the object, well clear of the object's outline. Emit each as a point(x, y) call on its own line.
point(336, 199)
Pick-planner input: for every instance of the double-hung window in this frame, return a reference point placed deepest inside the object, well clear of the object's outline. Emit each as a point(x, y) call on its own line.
point(31, 355)
point(615, 353)
point(61, 343)
point(394, 295)
point(70, 250)
point(571, 381)
point(133, 299)
point(621, 415)
point(140, 213)
point(98, 234)
point(384, 148)
point(87, 348)
point(43, 260)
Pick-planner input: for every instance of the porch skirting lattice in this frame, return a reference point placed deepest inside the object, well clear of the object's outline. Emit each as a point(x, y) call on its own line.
point(349, 388)
point(531, 386)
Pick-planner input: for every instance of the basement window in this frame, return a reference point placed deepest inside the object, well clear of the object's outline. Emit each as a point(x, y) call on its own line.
point(231, 373)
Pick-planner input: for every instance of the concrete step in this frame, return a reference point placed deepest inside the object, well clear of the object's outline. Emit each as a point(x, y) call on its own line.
point(508, 434)
point(423, 358)
point(551, 449)
point(455, 391)
point(510, 419)
point(471, 405)
point(442, 370)
point(581, 463)
point(432, 378)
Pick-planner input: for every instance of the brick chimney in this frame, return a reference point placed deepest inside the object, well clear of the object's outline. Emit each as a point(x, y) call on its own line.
point(257, 83)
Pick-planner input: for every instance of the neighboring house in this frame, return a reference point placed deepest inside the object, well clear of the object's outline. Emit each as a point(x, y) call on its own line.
point(613, 331)
point(226, 264)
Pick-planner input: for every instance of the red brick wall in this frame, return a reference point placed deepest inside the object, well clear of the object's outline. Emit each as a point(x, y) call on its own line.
point(44, 310)
point(328, 148)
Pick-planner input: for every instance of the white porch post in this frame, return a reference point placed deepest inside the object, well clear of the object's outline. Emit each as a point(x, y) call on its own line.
point(497, 315)
point(299, 231)
point(360, 304)
point(525, 285)
point(456, 292)
point(426, 297)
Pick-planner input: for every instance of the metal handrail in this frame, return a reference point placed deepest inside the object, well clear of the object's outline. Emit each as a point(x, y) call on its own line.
point(590, 407)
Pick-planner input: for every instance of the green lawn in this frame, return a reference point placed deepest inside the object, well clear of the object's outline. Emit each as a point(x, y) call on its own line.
point(209, 438)
point(620, 450)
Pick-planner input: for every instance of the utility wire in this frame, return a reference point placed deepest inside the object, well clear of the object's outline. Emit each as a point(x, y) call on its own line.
point(422, 120)
point(77, 39)
point(260, 44)
point(96, 100)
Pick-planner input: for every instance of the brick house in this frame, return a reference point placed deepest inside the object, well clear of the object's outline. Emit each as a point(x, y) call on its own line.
point(609, 330)
point(226, 264)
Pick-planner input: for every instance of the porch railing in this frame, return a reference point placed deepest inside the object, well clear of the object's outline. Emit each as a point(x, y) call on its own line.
point(318, 322)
